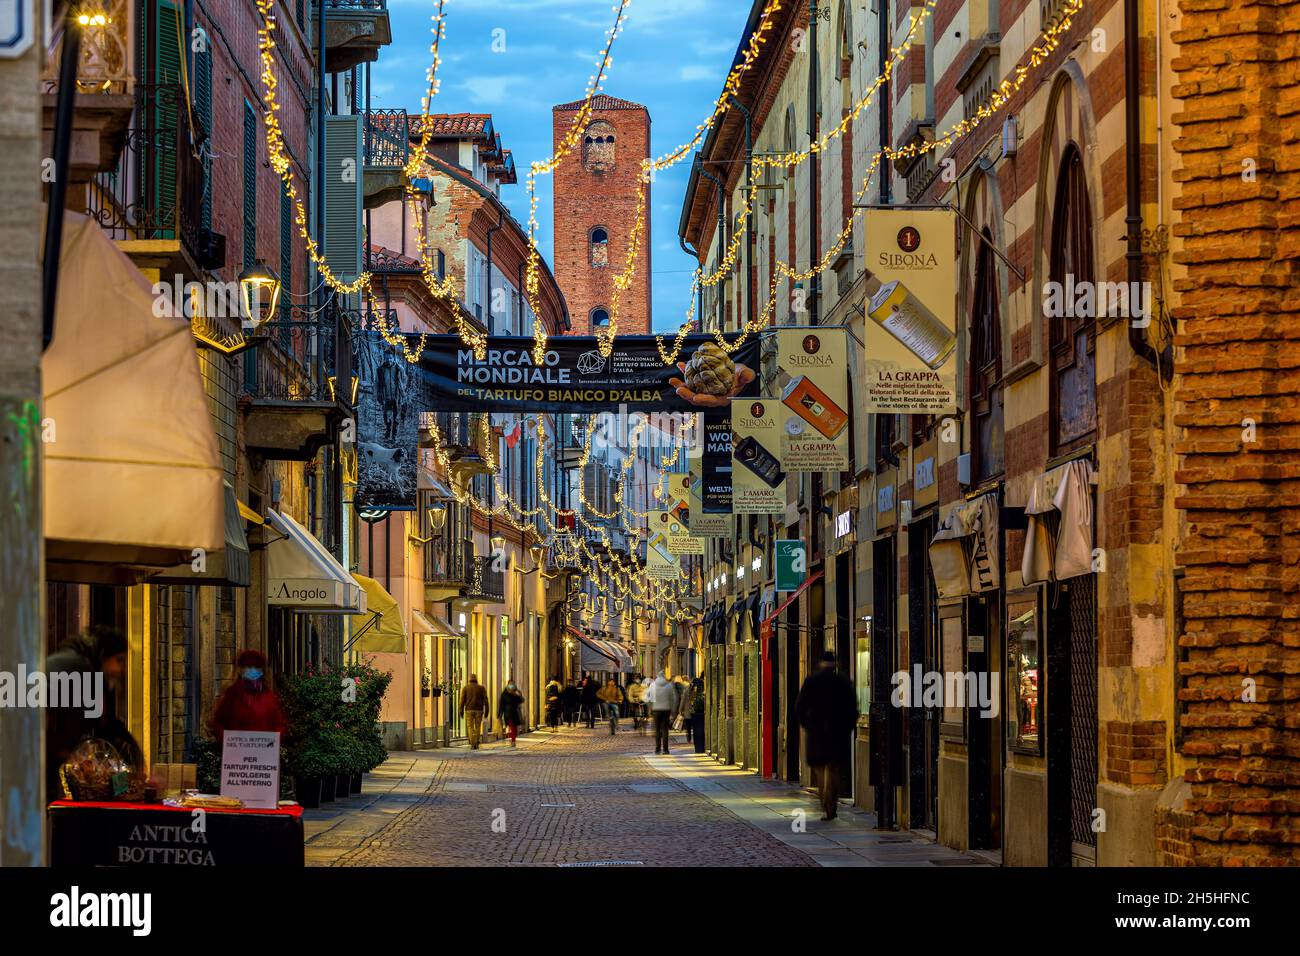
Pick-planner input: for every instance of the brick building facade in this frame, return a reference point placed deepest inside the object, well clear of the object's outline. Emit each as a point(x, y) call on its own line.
point(595, 210)
point(1239, 484)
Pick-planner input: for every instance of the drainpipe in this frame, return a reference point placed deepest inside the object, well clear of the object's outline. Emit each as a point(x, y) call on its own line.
point(749, 199)
point(1133, 171)
point(722, 232)
point(814, 171)
point(699, 309)
point(491, 229)
point(63, 111)
point(886, 114)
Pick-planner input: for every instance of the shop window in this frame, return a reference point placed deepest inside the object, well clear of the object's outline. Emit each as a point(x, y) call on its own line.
point(598, 147)
point(986, 367)
point(1024, 713)
point(1072, 335)
point(599, 245)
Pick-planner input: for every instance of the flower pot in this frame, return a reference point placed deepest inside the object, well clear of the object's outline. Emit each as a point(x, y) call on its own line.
point(356, 782)
point(306, 791)
point(343, 785)
point(328, 785)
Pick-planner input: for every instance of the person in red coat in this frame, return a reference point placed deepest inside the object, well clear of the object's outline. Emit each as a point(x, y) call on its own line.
point(250, 703)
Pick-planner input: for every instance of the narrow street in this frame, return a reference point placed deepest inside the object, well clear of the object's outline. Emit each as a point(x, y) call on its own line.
point(584, 798)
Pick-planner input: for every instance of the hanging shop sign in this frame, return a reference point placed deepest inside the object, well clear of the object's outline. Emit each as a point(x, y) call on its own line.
point(660, 564)
point(813, 383)
point(573, 373)
point(680, 539)
point(701, 523)
point(925, 474)
point(388, 438)
point(715, 463)
point(757, 480)
point(911, 338)
point(886, 499)
point(791, 564)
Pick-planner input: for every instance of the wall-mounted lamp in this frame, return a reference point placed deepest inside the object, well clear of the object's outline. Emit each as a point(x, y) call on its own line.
point(259, 288)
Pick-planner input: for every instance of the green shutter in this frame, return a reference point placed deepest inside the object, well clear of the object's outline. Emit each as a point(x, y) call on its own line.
point(250, 185)
point(203, 110)
point(286, 253)
point(167, 138)
point(343, 201)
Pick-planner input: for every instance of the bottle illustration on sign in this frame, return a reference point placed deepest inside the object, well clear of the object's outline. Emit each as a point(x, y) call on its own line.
point(760, 461)
point(814, 406)
point(660, 544)
point(906, 318)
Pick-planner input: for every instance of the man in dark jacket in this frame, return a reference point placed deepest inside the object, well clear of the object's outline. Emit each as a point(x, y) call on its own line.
point(473, 704)
point(827, 709)
point(570, 699)
point(101, 650)
point(589, 690)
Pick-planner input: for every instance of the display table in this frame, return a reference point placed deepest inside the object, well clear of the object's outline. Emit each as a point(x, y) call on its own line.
point(153, 834)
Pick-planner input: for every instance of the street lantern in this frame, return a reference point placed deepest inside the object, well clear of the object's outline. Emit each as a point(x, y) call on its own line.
point(437, 518)
point(259, 289)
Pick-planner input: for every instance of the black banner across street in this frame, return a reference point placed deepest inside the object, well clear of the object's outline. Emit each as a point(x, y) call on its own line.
point(575, 377)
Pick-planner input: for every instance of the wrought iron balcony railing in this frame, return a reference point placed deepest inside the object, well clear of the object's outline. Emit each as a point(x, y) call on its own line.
point(388, 138)
point(157, 191)
point(306, 358)
point(485, 583)
point(357, 4)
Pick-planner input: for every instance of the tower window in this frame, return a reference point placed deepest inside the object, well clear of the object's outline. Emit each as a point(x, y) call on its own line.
point(599, 241)
point(599, 317)
point(598, 147)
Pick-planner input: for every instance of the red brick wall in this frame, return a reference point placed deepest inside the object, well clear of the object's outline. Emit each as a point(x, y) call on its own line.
point(584, 200)
point(1236, 76)
point(236, 72)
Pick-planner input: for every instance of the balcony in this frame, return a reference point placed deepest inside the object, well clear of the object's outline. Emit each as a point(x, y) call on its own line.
point(154, 202)
point(448, 555)
point(355, 30)
point(387, 151)
point(290, 402)
point(103, 104)
point(486, 586)
point(467, 438)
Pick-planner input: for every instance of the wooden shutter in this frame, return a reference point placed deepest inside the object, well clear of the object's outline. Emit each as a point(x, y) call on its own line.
point(166, 138)
point(203, 110)
point(343, 204)
point(286, 254)
point(250, 185)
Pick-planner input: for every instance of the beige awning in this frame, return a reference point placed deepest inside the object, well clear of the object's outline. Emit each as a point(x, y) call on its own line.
point(229, 566)
point(133, 477)
point(301, 574)
point(432, 624)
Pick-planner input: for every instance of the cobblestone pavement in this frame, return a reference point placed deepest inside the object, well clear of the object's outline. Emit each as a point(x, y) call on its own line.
point(579, 797)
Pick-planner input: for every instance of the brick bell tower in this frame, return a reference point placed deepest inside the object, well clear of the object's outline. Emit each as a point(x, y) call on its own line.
point(595, 210)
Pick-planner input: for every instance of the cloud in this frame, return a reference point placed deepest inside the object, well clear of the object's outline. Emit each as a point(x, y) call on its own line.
point(697, 71)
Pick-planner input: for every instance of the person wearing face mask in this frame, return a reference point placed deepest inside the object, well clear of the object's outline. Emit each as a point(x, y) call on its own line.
point(249, 703)
point(510, 709)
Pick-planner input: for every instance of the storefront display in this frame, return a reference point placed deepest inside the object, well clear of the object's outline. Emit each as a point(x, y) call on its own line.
point(1024, 717)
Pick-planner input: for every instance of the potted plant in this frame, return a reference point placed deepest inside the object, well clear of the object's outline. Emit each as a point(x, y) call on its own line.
point(312, 767)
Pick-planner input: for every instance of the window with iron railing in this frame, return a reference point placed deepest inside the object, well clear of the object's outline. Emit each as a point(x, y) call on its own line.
point(986, 367)
point(1072, 337)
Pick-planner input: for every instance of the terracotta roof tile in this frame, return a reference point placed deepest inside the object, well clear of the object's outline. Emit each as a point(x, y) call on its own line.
point(602, 101)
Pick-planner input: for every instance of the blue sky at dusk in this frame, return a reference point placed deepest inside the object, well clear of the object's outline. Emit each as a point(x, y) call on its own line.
point(673, 56)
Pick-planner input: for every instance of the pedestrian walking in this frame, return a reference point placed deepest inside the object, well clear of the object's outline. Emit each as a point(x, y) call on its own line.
point(570, 701)
point(473, 705)
point(827, 709)
point(663, 699)
point(694, 694)
point(612, 695)
point(554, 693)
point(510, 710)
point(636, 704)
point(590, 691)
